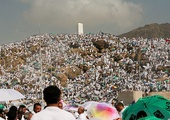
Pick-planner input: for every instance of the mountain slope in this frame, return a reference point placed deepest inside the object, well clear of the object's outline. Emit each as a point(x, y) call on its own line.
point(150, 31)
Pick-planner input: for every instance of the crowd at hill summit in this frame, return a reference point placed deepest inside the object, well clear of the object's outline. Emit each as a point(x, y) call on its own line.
point(89, 67)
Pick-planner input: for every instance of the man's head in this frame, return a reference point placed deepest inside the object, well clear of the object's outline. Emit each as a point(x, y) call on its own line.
point(37, 107)
point(119, 106)
point(28, 115)
point(22, 109)
point(114, 101)
point(81, 110)
point(52, 94)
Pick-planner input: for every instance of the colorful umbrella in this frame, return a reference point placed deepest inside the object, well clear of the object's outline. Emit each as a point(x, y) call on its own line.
point(103, 111)
point(155, 105)
point(89, 104)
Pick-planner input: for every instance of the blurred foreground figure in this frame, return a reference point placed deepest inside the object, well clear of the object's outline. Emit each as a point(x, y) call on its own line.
point(52, 97)
point(2, 117)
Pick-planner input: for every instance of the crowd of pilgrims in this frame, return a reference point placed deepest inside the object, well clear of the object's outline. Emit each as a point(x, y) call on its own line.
point(100, 82)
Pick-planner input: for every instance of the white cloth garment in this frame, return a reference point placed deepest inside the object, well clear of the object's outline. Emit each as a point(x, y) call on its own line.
point(53, 113)
point(82, 116)
point(1, 118)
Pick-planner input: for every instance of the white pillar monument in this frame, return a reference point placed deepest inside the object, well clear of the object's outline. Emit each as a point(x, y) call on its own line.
point(80, 29)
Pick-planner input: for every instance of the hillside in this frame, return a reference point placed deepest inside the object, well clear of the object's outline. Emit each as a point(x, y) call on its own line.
point(150, 31)
point(90, 67)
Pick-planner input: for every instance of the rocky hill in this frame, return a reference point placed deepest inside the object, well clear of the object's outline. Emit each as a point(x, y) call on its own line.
point(150, 31)
point(87, 67)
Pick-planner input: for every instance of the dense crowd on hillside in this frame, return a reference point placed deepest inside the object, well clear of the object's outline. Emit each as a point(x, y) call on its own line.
point(100, 82)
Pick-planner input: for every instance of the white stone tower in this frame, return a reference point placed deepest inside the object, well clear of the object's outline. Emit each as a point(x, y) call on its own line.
point(80, 29)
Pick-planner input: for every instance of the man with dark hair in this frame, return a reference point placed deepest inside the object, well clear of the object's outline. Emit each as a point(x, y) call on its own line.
point(52, 96)
point(21, 111)
point(81, 114)
point(37, 108)
point(120, 108)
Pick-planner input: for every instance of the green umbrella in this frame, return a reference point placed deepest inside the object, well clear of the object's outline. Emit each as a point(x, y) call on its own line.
point(155, 105)
point(2, 106)
point(150, 118)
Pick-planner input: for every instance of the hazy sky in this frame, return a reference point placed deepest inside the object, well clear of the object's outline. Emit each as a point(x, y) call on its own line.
point(22, 18)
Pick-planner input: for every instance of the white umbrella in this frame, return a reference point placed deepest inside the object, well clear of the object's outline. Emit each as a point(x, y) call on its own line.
point(10, 94)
